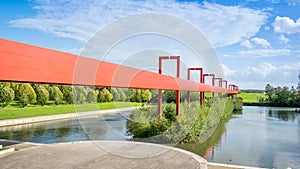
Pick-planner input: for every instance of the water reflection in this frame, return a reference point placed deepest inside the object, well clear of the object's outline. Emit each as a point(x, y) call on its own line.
point(106, 127)
point(260, 137)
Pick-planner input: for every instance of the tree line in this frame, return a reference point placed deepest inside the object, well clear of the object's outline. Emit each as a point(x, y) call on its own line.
point(283, 96)
point(26, 93)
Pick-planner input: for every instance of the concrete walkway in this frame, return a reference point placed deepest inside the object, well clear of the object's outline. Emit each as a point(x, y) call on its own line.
point(102, 154)
point(61, 116)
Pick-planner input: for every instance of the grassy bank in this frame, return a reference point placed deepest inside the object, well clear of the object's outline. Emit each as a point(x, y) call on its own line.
point(14, 112)
point(251, 97)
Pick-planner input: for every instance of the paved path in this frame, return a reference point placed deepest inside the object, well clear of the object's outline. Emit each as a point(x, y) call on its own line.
point(102, 154)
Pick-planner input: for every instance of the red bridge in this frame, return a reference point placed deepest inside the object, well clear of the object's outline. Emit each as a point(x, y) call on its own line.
point(25, 63)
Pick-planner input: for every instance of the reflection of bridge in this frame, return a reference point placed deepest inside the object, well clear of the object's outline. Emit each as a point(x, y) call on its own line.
point(25, 63)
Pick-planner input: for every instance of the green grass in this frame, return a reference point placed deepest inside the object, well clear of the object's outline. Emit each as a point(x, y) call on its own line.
point(251, 97)
point(14, 112)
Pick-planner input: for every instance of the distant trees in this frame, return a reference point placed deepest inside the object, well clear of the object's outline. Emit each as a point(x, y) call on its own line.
point(281, 96)
point(25, 93)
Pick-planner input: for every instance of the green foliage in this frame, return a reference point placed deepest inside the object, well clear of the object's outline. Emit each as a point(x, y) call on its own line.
point(281, 96)
point(169, 112)
point(139, 95)
point(26, 94)
point(194, 121)
point(170, 96)
point(68, 95)
point(55, 95)
point(116, 94)
point(42, 95)
point(90, 98)
point(6, 95)
point(80, 94)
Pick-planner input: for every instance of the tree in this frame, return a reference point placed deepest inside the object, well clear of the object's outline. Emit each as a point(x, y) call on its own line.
point(42, 95)
point(123, 96)
point(101, 97)
point(116, 94)
point(27, 94)
point(55, 94)
point(108, 96)
point(68, 95)
point(90, 98)
point(6, 96)
point(170, 96)
point(146, 95)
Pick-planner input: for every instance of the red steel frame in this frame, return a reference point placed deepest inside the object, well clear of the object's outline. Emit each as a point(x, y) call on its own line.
point(212, 81)
point(26, 63)
point(161, 58)
point(201, 81)
point(220, 85)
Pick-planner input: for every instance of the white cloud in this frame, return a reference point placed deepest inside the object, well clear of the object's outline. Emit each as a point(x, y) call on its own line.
point(286, 25)
point(261, 42)
point(283, 39)
point(256, 42)
point(259, 75)
point(258, 53)
point(246, 44)
point(80, 19)
point(227, 71)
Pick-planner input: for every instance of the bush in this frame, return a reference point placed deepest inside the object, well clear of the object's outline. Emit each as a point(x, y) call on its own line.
point(6, 96)
point(42, 95)
point(193, 123)
point(55, 94)
point(27, 94)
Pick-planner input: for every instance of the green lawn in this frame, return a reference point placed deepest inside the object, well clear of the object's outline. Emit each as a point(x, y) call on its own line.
point(251, 97)
point(13, 112)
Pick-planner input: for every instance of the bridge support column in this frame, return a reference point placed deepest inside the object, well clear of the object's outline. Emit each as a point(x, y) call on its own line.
point(177, 91)
point(201, 81)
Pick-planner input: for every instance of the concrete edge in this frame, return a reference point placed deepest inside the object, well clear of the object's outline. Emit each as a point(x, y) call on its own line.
point(19, 121)
point(8, 150)
point(231, 166)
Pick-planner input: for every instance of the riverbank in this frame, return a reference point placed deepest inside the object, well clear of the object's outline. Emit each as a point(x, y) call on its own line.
point(11, 122)
point(15, 112)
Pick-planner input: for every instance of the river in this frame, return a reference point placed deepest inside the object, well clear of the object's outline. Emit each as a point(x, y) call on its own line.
point(260, 136)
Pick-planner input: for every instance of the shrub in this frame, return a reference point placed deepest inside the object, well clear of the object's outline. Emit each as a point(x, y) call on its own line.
point(42, 95)
point(6, 96)
point(27, 94)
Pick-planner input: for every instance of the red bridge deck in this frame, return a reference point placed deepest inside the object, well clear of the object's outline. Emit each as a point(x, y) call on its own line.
point(26, 63)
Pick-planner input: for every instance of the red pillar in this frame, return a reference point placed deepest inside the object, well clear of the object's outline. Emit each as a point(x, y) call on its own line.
point(220, 85)
point(177, 91)
point(212, 81)
point(201, 81)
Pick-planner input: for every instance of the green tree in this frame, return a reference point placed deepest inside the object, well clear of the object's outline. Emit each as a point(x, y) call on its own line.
point(42, 95)
point(108, 96)
point(68, 95)
point(146, 95)
point(123, 96)
point(55, 94)
point(6, 95)
point(100, 97)
point(116, 94)
point(27, 94)
point(90, 98)
point(170, 96)
point(80, 94)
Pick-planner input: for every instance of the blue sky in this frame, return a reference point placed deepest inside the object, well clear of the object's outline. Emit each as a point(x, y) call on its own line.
point(258, 42)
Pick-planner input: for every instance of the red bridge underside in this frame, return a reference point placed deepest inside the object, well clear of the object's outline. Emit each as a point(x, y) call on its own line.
point(25, 63)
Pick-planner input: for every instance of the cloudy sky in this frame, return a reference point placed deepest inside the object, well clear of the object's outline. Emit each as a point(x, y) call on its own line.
point(257, 42)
